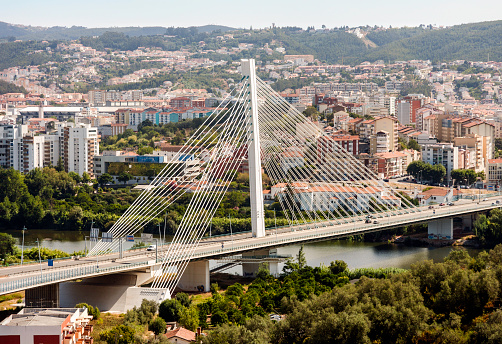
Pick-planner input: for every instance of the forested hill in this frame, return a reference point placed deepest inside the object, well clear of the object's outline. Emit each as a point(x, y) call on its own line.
point(75, 32)
point(475, 42)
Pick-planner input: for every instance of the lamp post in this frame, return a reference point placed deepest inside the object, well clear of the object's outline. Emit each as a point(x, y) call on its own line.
point(275, 222)
point(39, 257)
point(22, 246)
point(231, 236)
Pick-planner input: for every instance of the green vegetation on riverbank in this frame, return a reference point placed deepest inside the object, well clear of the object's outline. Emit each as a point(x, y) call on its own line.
point(456, 301)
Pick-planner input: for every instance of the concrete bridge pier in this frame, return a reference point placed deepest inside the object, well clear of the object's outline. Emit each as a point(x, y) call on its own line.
point(195, 277)
point(441, 229)
point(250, 269)
point(44, 296)
point(115, 293)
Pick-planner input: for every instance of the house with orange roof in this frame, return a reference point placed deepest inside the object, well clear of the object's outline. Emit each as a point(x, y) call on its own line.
point(181, 335)
point(436, 196)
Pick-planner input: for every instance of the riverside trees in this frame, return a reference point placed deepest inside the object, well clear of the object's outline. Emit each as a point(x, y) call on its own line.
point(450, 302)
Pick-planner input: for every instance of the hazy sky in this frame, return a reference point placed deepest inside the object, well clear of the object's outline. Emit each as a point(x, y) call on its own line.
point(237, 13)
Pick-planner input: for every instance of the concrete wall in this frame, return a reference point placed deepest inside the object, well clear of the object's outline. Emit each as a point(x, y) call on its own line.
point(195, 274)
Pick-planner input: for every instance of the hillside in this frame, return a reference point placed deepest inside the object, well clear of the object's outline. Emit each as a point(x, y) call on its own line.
point(468, 41)
point(478, 41)
point(75, 32)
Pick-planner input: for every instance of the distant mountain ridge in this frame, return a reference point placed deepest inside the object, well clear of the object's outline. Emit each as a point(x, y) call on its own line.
point(474, 42)
point(66, 33)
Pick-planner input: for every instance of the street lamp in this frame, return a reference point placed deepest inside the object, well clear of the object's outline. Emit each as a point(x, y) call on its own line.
point(22, 246)
point(39, 257)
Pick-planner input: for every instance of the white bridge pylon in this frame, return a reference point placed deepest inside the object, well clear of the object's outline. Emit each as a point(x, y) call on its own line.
point(315, 179)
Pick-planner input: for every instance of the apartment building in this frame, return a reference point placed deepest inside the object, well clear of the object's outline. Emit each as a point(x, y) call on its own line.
point(494, 172)
point(480, 147)
point(47, 326)
point(380, 142)
point(406, 108)
point(80, 144)
point(33, 153)
point(328, 146)
point(442, 153)
point(11, 145)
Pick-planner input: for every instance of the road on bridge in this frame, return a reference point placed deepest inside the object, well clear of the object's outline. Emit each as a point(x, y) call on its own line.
point(210, 248)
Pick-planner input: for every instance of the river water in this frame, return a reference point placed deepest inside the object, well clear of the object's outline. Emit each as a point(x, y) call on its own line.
point(355, 254)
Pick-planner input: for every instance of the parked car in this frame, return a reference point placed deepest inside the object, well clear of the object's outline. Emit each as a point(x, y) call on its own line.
point(151, 248)
point(370, 217)
point(375, 222)
point(367, 221)
point(450, 204)
point(431, 207)
point(441, 204)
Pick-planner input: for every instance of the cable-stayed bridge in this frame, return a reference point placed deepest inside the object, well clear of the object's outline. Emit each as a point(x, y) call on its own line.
point(323, 191)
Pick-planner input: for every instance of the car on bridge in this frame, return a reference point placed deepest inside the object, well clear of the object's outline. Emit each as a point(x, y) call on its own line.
point(151, 248)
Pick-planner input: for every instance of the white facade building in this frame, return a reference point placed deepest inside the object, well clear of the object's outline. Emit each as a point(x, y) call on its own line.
point(80, 145)
point(441, 153)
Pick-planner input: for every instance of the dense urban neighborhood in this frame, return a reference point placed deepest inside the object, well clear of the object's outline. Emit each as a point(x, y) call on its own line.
point(377, 121)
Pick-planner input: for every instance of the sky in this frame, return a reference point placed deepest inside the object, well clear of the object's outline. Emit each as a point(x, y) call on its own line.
point(244, 14)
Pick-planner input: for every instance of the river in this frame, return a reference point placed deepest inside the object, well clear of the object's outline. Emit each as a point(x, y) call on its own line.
point(355, 254)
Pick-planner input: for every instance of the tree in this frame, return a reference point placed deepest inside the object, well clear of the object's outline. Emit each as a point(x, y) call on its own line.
point(189, 318)
point(75, 176)
point(7, 245)
point(124, 177)
point(412, 144)
point(169, 310)
point(302, 260)
point(337, 267)
point(157, 326)
point(464, 176)
point(120, 334)
point(86, 178)
point(60, 165)
point(415, 168)
point(183, 299)
point(104, 179)
point(437, 173)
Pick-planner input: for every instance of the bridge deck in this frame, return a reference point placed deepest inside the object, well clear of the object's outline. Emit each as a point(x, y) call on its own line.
point(16, 278)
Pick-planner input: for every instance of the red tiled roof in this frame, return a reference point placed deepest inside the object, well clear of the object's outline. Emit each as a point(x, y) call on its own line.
point(182, 333)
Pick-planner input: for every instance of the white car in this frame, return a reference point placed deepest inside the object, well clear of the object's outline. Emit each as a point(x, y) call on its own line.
point(151, 248)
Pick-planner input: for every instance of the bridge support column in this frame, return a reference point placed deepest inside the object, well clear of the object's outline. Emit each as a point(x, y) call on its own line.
point(116, 293)
point(251, 269)
point(46, 296)
point(195, 277)
point(441, 229)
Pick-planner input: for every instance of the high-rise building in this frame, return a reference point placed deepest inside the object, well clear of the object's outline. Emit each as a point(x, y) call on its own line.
point(80, 144)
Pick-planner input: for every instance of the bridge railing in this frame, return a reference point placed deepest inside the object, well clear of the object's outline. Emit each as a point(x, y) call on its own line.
point(53, 277)
point(278, 241)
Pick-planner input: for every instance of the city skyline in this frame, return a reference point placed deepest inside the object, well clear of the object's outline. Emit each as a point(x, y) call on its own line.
point(262, 14)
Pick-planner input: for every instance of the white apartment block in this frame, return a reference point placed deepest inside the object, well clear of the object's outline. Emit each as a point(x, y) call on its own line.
point(81, 143)
point(441, 153)
point(33, 153)
point(25, 152)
